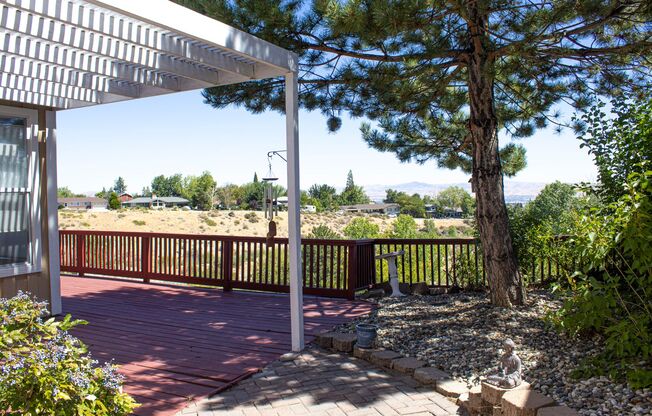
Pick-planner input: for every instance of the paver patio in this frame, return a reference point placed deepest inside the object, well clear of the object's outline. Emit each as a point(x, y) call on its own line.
point(320, 383)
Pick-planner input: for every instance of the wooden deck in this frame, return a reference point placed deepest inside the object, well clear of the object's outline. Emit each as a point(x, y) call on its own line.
point(176, 344)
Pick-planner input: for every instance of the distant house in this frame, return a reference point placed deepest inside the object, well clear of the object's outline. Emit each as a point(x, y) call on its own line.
point(125, 197)
point(432, 211)
point(156, 202)
point(83, 203)
point(387, 209)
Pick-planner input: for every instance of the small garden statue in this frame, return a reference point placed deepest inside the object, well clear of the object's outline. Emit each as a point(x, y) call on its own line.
point(509, 371)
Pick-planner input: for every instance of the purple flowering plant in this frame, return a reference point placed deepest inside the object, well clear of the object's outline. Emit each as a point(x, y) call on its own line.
point(46, 371)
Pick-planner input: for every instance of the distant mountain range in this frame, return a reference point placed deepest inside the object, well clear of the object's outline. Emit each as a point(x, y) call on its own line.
point(515, 191)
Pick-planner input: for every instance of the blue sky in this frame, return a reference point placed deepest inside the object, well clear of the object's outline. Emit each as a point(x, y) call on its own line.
point(179, 134)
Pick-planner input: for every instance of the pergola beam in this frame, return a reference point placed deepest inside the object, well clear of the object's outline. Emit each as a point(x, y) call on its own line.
point(19, 82)
point(37, 50)
point(26, 97)
point(56, 74)
point(136, 34)
point(275, 61)
point(52, 33)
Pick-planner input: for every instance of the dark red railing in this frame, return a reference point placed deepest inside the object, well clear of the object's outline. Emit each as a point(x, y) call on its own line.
point(336, 268)
point(330, 267)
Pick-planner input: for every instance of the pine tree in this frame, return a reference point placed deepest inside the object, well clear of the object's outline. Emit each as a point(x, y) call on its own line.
point(441, 78)
point(352, 193)
point(120, 187)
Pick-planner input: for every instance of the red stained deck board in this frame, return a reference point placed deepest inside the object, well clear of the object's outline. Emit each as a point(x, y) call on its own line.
point(176, 344)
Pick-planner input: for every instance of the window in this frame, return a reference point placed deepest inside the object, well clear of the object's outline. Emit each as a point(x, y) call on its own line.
point(19, 218)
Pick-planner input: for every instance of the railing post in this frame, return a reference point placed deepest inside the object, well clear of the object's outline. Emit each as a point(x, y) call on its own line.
point(353, 271)
point(81, 254)
point(146, 257)
point(227, 265)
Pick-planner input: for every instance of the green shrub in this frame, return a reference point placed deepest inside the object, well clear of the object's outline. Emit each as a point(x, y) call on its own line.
point(535, 228)
point(612, 293)
point(430, 229)
point(404, 226)
point(210, 222)
point(114, 201)
point(252, 217)
point(324, 232)
point(139, 222)
point(361, 227)
point(46, 371)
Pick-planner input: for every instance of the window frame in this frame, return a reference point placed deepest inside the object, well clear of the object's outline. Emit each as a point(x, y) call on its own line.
point(34, 264)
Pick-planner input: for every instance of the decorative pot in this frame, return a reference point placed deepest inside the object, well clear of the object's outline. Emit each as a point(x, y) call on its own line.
point(366, 335)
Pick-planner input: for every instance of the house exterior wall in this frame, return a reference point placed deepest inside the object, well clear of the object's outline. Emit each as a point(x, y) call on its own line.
point(36, 283)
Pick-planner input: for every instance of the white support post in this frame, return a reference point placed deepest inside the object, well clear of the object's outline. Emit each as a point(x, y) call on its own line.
point(294, 216)
point(52, 215)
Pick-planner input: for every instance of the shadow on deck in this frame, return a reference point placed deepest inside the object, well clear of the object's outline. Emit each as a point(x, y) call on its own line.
point(177, 344)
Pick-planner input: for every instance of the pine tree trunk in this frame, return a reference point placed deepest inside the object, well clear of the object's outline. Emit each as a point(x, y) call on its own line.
point(505, 283)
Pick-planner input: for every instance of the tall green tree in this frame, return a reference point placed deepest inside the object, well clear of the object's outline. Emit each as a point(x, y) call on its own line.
point(455, 197)
point(353, 194)
point(201, 190)
point(119, 187)
point(440, 79)
point(412, 205)
point(325, 196)
point(168, 186)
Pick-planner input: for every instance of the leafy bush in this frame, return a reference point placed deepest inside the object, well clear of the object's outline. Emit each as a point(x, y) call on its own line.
point(324, 232)
point(139, 222)
point(404, 226)
point(612, 293)
point(430, 229)
point(114, 201)
point(535, 228)
point(361, 227)
point(46, 371)
point(619, 145)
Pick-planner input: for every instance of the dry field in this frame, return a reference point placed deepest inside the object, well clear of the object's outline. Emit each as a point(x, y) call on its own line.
point(243, 223)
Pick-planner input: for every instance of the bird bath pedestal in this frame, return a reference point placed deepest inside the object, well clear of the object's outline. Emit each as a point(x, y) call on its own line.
point(393, 271)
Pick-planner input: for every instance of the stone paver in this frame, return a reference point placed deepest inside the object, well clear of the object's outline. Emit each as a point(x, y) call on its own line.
point(322, 383)
point(524, 402)
point(407, 365)
point(494, 394)
point(384, 358)
point(344, 342)
point(557, 411)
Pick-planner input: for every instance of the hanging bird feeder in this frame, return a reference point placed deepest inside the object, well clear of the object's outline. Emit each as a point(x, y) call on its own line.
point(270, 203)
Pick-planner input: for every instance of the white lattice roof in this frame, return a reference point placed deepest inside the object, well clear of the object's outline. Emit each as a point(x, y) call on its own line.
point(76, 53)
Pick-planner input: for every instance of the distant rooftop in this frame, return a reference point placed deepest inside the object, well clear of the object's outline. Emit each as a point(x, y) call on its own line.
point(147, 200)
point(91, 199)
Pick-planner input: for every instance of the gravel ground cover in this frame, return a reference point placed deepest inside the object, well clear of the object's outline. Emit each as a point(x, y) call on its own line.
point(462, 333)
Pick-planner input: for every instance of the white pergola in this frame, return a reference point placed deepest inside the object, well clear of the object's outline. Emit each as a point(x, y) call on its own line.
point(66, 54)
